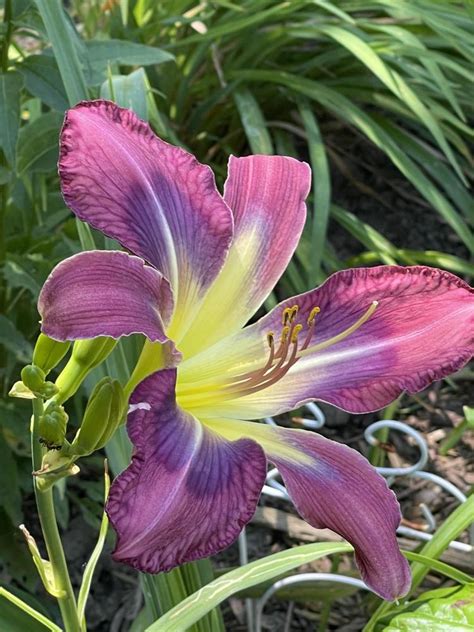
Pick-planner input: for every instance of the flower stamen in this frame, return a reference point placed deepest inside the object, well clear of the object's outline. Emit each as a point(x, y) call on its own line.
point(288, 352)
point(280, 360)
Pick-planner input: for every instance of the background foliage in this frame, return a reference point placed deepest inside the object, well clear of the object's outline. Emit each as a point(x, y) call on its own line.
point(349, 86)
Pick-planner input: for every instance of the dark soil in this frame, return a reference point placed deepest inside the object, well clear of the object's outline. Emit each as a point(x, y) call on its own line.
point(366, 183)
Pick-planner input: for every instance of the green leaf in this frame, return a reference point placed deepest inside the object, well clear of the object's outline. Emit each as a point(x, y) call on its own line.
point(43, 80)
point(10, 88)
point(38, 144)
point(17, 616)
point(26, 272)
point(450, 613)
point(394, 82)
point(102, 53)
point(427, 158)
point(5, 175)
point(62, 38)
point(461, 518)
point(367, 235)
point(321, 193)
point(94, 558)
point(10, 496)
point(254, 124)
point(441, 567)
point(129, 91)
point(346, 109)
point(16, 559)
point(14, 340)
point(197, 605)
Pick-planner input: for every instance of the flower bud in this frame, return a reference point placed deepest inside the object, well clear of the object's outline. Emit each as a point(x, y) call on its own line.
point(85, 356)
point(102, 416)
point(33, 381)
point(48, 353)
point(52, 426)
point(92, 352)
point(33, 377)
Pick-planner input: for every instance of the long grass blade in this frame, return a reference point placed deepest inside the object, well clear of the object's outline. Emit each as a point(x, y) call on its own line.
point(253, 122)
point(321, 193)
point(195, 606)
point(394, 82)
point(65, 51)
point(344, 108)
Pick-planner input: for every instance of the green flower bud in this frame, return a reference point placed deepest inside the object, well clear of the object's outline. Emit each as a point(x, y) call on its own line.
point(85, 356)
point(33, 377)
point(33, 381)
point(49, 390)
point(92, 352)
point(48, 353)
point(52, 426)
point(103, 414)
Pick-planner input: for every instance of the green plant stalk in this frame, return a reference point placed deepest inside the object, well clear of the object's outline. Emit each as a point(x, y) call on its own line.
point(453, 438)
point(461, 518)
point(49, 527)
point(34, 614)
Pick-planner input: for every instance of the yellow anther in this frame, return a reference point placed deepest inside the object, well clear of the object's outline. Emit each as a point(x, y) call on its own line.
point(284, 333)
point(293, 312)
point(285, 316)
point(295, 332)
point(313, 314)
point(270, 338)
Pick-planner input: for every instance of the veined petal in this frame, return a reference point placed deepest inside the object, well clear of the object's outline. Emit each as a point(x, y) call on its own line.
point(155, 199)
point(266, 195)
point(335, 487)
point(421, 330)
point(188, 491)
point(105, 293)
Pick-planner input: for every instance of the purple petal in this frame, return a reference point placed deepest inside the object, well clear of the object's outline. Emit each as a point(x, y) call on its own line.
point(422, 330)
point(155, 199)
point(188, 492)
point(267, 197)
point(335, 487)
point(105, 293)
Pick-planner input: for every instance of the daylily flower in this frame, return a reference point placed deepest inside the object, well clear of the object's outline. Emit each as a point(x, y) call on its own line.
point(202, 265)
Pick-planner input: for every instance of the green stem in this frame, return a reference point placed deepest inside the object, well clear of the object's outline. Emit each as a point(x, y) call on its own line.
point(49, 527)
point(453, 438)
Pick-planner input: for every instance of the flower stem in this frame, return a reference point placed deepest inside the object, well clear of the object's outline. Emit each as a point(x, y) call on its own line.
point(49, 527)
